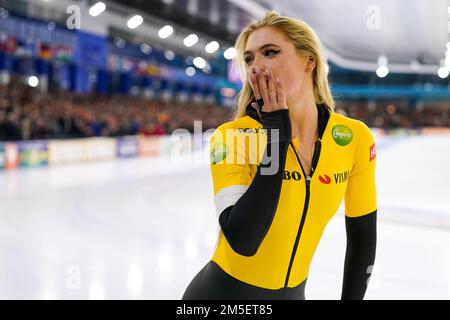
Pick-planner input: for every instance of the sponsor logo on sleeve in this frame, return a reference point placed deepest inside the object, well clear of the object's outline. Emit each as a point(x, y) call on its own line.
point(219, 152)
point(373, 152)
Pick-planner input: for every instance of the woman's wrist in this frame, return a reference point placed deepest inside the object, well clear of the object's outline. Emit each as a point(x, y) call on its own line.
point(277, 120)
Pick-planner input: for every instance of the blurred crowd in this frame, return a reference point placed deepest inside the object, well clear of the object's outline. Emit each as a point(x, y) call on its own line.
point(400, 114)
point(26, 113)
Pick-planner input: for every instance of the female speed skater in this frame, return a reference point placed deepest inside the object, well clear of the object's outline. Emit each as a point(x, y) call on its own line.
point(274, 203)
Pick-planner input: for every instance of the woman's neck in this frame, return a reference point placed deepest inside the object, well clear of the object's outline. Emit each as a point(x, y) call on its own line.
point(303, 114)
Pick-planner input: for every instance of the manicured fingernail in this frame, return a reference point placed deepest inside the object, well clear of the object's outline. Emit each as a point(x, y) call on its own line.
point(278, 80)
point(257, 70)
point(266, 72)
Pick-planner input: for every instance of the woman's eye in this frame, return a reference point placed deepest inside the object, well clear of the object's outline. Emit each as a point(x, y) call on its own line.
point(266, 53)
point(273, 51)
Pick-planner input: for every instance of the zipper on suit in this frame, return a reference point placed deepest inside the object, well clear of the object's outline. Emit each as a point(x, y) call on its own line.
point(316, 155)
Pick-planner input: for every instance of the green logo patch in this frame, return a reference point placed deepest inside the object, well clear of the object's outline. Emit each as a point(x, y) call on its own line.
point(342, 135)
point(219, 152)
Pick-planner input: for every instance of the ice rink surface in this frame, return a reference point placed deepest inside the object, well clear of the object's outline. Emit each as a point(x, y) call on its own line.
point(142, 228)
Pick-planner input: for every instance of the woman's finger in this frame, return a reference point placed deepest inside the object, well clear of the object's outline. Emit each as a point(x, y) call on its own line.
point(281, 98)
point(272, 89)
point(262, 85)
point(254, 85)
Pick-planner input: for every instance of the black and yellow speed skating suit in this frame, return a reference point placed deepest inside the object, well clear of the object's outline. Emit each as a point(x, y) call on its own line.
point(272, 224)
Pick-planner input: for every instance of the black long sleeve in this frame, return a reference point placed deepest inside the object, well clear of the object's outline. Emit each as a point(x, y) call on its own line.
point(360, 255)
point(246, 223)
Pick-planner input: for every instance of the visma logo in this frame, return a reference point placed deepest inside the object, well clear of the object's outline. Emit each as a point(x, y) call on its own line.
point(341, 177)
point(325, 180)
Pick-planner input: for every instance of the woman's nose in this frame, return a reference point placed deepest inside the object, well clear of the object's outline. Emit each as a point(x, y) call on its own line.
point(260, 67)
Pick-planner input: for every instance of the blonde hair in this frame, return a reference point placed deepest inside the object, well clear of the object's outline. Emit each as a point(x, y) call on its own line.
point(305, 40)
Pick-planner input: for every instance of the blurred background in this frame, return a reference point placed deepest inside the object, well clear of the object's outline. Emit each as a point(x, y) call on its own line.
point(99, 199)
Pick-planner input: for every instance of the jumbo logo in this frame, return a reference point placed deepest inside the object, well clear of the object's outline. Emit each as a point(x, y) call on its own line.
point(294, 175)
point(342, 135)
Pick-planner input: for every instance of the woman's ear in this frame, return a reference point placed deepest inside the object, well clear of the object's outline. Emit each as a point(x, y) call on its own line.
point(310, 64)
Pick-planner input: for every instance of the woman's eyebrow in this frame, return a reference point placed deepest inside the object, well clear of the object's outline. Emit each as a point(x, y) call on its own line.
point(262, 47)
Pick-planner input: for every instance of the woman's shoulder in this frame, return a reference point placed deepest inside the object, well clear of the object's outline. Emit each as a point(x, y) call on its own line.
point(354, 124)
point(352, 128)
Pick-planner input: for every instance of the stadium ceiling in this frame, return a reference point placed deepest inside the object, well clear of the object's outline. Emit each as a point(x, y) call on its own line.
point(218, 19)
point(411, 34)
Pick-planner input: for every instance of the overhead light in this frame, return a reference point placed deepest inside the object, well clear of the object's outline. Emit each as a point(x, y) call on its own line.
point(199, 62)
point(230, 53)
point(165, 32)
point(145, 48)
point(3, 13)
point(33, 81)
point(190, 40)
point(51, 25)
point(119, 42)
point(212, 47)
point(382, 71)
point(97, 9)
point(443, 72)
point(190, 71)
point(207, 69)
point(135, 21)
point(169, 55)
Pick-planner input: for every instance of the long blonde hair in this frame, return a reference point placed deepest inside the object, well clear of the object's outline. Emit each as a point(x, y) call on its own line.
point(303, 37)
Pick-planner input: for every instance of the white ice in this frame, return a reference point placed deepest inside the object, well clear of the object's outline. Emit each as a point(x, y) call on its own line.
point(142, 228)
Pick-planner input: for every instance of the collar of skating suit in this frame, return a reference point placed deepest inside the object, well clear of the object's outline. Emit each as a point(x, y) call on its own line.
point(323, 116)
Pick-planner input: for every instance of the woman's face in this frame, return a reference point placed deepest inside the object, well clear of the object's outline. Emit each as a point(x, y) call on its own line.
point(267, 47)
